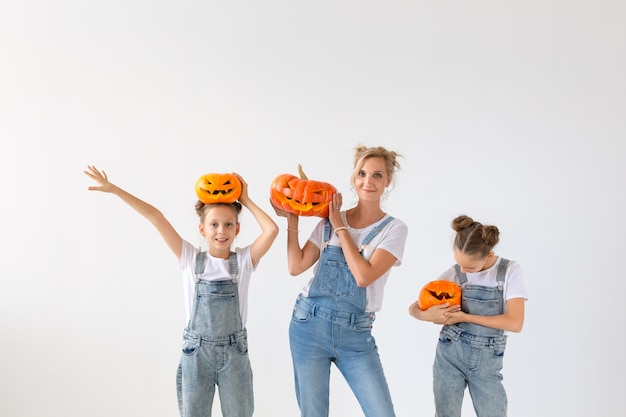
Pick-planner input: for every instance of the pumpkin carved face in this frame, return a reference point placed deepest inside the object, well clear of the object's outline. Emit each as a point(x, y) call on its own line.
point(301, 196)
point(218, 188)
point(439, 292)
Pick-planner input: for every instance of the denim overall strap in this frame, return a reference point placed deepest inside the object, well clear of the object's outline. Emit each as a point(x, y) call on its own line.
point(327, 229)
point(502, 273)
point(374, 232)
point(368, 237)
point(232, 263)
point(460, 275)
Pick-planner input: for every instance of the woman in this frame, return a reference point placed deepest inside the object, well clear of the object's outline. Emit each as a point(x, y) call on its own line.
point(353, 252)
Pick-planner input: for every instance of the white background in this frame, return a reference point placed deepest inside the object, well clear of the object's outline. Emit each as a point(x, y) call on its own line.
point(511, 112)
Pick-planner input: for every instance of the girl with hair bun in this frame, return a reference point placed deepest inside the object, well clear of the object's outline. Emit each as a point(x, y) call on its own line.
point(472, 341)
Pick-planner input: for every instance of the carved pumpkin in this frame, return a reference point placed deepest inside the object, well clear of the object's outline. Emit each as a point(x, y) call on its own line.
point(439, 292)
point(301, 196)
point(218, 188)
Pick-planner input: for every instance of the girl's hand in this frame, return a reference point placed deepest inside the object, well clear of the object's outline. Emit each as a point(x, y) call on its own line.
point(100, 177)
point(439, 313)
point(455, 316)
point(243, 198)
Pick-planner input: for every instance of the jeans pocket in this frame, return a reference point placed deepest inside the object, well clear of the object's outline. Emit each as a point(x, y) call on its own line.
point(190, 347)
point(337, 280)
point(300, 314)
point(364, 324)
point(445, 340)
point(242, 346)
point(498, 352)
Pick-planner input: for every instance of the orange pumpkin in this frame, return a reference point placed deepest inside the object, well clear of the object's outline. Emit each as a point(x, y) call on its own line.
point(301, 196)
point(218, 188)
point(439, 292)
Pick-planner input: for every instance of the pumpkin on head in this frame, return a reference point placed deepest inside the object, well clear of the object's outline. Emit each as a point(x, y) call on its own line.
point(439, 292)
point(218, 188)
point(301, 196)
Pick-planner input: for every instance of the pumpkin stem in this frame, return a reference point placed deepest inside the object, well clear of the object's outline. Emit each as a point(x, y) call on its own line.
point(301, 173)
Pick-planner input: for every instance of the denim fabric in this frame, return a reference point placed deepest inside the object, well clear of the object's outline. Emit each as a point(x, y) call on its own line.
point(215, 353)
point(470, 356)
point(331, 326)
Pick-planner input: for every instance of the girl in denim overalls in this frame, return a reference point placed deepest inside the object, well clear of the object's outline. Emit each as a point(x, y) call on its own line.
point(215, 347)
point(332, 318)
point(473, 339)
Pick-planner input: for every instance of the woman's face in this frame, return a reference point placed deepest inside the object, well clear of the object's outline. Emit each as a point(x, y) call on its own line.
point(372, 179)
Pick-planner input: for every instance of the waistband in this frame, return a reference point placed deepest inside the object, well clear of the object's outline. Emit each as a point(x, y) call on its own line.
point(456, 333)
point(341, 317)
point(230, 339)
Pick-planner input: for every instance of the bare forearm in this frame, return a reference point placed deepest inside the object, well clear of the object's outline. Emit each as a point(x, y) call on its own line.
point(151, 213)
point(365, 271)
point(266, 223)
point(501, 322)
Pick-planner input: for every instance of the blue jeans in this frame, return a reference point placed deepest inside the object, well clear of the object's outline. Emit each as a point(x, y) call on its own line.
point(466, 360)
point(320, 336)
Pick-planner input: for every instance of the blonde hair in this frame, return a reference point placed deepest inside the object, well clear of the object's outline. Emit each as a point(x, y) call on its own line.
point(363, 153)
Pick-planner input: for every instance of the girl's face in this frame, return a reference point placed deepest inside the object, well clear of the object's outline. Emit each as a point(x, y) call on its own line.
point(473, 263)
point(220, 227)
point(372, 179)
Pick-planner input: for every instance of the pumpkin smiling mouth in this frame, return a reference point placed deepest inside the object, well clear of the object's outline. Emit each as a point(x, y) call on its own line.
point(223, 192)
point(442, 296)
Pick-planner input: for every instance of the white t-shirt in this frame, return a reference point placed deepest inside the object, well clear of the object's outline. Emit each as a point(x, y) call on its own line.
point(513, 279)
point(391, 238)
point(216, 269)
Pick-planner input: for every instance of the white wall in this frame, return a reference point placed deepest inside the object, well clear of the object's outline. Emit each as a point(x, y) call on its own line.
point(511, 112)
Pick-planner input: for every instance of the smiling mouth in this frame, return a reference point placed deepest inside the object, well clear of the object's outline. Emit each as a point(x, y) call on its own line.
point(223, 192)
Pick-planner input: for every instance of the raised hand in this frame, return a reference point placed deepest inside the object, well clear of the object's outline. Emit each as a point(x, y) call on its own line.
point(100, 177)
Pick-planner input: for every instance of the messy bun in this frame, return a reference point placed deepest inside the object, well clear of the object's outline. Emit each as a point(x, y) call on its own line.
point(474, 238)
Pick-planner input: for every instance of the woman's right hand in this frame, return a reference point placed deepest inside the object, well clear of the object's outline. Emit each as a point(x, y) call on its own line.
point(280, 212)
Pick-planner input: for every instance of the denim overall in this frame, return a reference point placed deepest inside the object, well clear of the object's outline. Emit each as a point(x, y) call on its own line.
point(215, 350)
point(331, 325)
point(470, 355)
